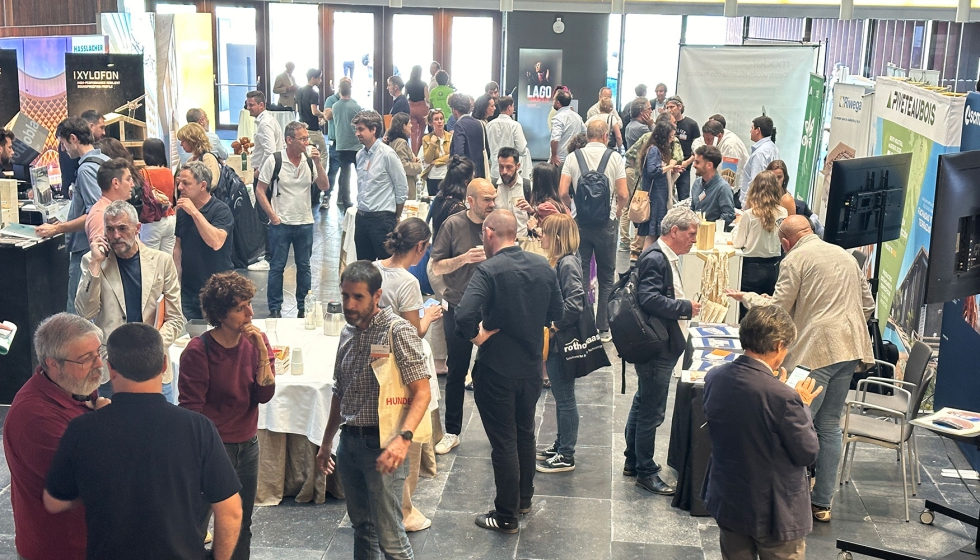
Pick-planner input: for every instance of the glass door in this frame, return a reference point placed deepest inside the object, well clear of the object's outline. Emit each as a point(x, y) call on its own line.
point(472, 53)
point(237, 68)
point(353, 55)
point(413, 36)
point(294, 36)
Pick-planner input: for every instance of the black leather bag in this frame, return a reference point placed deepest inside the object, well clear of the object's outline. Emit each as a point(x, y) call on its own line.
point(637, 336)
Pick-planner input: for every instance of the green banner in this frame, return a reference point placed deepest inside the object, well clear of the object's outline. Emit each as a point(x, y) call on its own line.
point(810, 142)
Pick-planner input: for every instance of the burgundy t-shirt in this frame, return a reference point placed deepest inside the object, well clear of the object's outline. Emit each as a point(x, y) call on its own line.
point(222, 385)
point(34, 425)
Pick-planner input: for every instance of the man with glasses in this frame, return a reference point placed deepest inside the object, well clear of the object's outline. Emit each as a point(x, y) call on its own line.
point(124, 281)
point(70, 355)
point(455, 253)
point(290, 219)
point(382, 188)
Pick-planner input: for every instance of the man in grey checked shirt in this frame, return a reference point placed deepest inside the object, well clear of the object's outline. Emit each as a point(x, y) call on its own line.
point(373, 477)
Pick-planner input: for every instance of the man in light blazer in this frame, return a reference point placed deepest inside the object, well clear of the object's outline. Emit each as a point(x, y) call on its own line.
point(762, 440)
point(822, 287)
point(285, 86)
point(124, 281)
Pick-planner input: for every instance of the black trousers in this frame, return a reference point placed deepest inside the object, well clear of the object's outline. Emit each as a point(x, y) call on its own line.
point(683, 184)
point(458, 354)
point(347, 160)
point(506, 407)
point(371, 229)
point(759, 275)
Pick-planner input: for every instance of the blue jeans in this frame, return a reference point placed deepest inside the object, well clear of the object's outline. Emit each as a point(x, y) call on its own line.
point(374, 500)
point(280, 238)
point(245, 460)
point(647, 414)
point(168, 392)
point(826, 410)
point(563, 388)
point(74, 277)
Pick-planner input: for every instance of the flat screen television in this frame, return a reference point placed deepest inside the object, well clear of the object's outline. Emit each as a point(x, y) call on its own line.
point(866, 194)
point(954, 247)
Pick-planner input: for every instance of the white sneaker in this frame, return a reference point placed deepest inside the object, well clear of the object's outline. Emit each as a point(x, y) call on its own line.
point(260, 265)
point(446, 444)
point(605, 336)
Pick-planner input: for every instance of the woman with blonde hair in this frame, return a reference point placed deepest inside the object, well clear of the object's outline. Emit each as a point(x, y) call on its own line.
point(435, 151)
point(560, 238)
point(756, 233)
point(194, 141)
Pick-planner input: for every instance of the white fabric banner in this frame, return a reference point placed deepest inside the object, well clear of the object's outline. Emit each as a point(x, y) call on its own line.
point(850, 120)
point(936, 116)
point(738, 82)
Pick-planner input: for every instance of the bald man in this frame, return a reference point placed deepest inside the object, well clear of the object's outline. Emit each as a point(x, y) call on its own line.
point(508, 302)
point(456, 251)
point(827, 294)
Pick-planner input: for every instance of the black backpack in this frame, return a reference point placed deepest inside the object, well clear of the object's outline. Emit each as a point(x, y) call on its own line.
point(592, 192)
point(135, 197)
point(277, 158)
point(248, 234)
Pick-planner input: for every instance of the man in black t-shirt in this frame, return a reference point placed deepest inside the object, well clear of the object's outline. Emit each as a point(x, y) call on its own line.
point(204, 235)
point(308, 105)
point(687, 131)
point(163, 465)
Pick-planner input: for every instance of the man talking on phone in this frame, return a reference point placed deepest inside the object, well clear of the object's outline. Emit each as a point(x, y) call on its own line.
point(287, 204)
point(124, 281)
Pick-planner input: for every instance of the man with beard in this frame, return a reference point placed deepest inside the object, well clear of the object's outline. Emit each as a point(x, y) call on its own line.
point(119, 265)
point(513, 191)
point(70, 353)
point(6, 150)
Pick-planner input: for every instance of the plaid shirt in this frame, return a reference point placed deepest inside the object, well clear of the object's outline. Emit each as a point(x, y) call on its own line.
point(354, 380)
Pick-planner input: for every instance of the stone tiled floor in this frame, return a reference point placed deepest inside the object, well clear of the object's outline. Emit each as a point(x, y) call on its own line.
point(593, 512)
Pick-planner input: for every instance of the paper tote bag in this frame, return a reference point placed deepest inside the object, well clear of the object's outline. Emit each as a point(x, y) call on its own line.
point(581, 350)
point(394, 401)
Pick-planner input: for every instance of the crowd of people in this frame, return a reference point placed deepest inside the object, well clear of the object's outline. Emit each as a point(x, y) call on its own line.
point(506, 246)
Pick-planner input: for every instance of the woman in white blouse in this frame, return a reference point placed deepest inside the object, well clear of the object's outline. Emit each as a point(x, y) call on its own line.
point(756, 233)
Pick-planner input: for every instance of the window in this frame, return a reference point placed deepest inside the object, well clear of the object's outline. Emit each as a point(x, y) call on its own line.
point(706, 30)
point(353, 48)
point(176, 8)
point(612, 57)
point(294, 36)
point(237, 70)
point(412, 39)
point(651, 58)
point(472, 54)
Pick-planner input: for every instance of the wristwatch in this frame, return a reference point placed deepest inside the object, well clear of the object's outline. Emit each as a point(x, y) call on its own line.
point(407, 435)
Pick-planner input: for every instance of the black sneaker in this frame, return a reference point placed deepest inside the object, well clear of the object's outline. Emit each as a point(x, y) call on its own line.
point(557, 463)
point(547, 452)
point(493, 522)
point(469, 386)
point(275, 314)
point(300, 314)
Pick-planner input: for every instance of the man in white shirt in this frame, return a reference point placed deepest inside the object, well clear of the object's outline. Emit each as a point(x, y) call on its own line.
point(268, 140)
point(513, 191)
point(565, 125)
point(764, 152)
point(598, 239)
point(604, 93)
point(505, 132)
point(290, 216)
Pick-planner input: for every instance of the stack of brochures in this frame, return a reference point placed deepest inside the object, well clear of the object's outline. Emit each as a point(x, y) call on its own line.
point(713, 344)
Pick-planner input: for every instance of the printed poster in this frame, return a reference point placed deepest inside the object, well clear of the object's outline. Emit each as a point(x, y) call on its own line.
point(107, 83)
point(540, 72)
point(729, 170)
point(810, 140)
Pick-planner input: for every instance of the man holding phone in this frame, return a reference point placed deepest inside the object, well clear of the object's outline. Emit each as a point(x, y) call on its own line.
point(290, 218)
point(513, 191)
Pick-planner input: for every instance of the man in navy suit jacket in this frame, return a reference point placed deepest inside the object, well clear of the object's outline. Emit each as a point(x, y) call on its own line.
point(762, 440)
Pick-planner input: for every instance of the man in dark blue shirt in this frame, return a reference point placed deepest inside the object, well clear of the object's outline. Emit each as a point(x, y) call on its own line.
point(399, 103)
point(166, 464)
point(509, 300)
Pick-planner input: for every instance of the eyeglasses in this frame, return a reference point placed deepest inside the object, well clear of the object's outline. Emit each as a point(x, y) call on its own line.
point(483, 231)
point(101, 354)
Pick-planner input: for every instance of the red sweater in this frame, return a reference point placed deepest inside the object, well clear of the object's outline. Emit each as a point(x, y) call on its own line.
point(34, 425)
point(222, 385)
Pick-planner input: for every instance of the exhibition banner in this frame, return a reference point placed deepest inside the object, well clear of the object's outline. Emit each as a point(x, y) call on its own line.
point(909, 119)
point(957, 384)
point(133, 33)
point(41, 71)
point(9, 86)
point(810, 141)
point(743, 82)
point(107, 83)
point(540, 71)
point(850, 136)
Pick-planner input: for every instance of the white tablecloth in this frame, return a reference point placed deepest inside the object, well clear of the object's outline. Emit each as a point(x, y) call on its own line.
point(348, 249)
point(301, 404)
